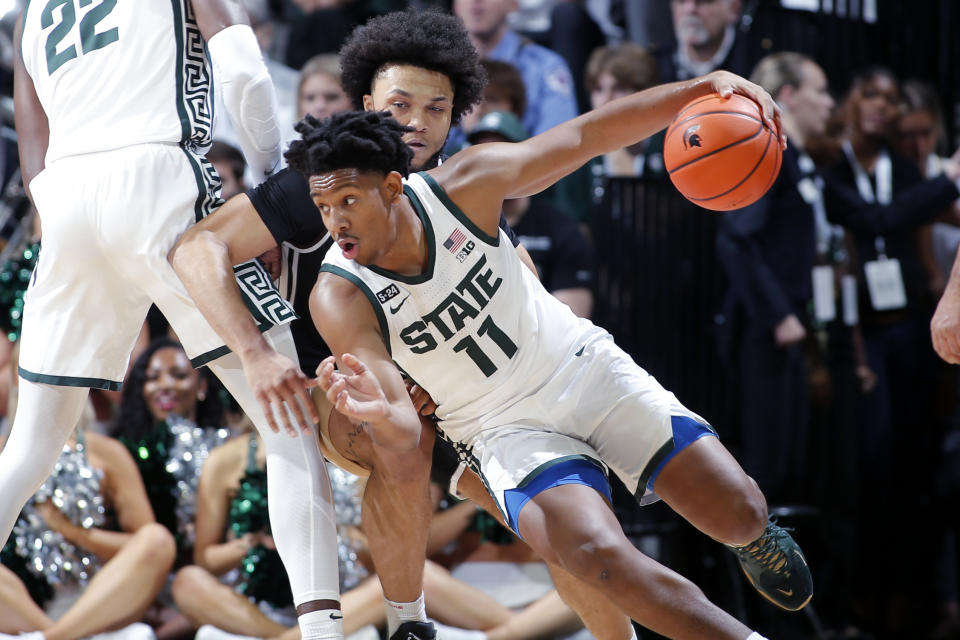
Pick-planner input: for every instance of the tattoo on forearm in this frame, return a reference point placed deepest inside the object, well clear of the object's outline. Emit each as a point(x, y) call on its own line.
point(352, 436)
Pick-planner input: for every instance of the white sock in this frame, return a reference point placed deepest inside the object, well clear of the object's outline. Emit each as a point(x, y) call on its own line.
point(326, 624)
point(755, 636)
point(400, 612)
point(453, 633)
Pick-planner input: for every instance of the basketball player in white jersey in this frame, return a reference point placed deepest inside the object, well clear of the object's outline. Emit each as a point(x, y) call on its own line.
point(113, 114)
point(540, 401)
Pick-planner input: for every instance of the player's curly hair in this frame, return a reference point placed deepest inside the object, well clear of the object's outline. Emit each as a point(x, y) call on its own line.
point(362, 140)
point(427, 39)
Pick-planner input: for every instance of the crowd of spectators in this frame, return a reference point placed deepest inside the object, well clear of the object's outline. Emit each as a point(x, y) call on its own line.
point(843, 412)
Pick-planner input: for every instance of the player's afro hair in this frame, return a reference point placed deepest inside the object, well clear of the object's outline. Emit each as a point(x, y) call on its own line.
point(427, 39)
point(361, 140)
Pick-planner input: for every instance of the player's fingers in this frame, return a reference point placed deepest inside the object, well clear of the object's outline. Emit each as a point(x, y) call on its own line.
point(280, 405)
point(300, 400)
point(298, 387)
point(354, 363)
point(328, 361)
point(276, 408)
point(325, 373)
point(723, 88)
point(336, 387)
point(424, 403)
point(264, 402)
point(777, 124)
point(344, 404)
point(418, 401)
point(413, 390)
point(769, 112)
point(328, 390)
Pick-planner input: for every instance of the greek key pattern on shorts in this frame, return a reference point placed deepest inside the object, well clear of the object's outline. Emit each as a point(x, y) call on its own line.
point(262, 299)
point(196, 90)
point(464, 452)
point(210, 201)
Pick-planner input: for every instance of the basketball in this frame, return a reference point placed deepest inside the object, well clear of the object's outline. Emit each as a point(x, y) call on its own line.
point(720, 154)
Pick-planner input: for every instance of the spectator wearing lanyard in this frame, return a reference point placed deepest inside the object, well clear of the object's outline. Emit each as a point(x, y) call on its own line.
point(897, 439)
point(768, 251)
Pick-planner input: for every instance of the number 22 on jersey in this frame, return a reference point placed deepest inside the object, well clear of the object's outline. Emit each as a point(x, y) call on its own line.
point(64, 23)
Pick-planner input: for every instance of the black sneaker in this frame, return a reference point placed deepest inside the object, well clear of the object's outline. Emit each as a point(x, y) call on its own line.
point(415, 631)
point(776, 568)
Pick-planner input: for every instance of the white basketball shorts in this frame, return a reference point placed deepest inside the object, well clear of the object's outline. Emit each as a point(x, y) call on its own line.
point(109, 219)
point(600, 411)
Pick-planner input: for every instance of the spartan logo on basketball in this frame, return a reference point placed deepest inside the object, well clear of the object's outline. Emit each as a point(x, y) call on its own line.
point(691, 138)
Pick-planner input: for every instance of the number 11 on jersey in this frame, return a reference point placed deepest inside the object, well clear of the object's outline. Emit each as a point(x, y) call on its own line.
point(495, 333)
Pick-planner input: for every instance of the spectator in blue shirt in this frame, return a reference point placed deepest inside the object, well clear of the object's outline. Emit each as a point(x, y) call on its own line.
point(550, 89)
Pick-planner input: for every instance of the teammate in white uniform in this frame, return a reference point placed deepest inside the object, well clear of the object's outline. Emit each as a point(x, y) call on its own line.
point(424, 283)
point(113, 112)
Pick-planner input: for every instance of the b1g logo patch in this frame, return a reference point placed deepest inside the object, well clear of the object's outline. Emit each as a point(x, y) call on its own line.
point(454, 243)
point(385, 295)
point(463, 253)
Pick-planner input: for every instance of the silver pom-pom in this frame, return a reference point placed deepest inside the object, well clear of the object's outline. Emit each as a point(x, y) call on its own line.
point(74, 489)
point(189, 450)
point(348, 498)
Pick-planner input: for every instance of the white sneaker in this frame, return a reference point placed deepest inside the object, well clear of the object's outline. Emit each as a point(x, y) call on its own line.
point(210, 632)
point(135, 631)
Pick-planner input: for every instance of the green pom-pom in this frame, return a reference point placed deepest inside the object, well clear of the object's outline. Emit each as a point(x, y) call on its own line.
point(15, 277)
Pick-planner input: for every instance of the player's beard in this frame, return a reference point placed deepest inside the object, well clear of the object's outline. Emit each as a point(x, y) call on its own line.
point(431, 163)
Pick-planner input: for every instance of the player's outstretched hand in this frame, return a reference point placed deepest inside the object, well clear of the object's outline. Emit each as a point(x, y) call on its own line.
point(281, 389)
point(726, 84)
point(945, 326)
point(353, 390)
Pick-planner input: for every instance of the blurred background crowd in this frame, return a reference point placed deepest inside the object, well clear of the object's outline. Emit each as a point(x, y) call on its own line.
point(799, 326)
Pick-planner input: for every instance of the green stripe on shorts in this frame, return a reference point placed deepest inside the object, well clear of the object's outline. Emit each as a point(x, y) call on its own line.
point(69, 381)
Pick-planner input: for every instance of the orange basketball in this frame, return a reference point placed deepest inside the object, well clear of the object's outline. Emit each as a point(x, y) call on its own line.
point(719, 153)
